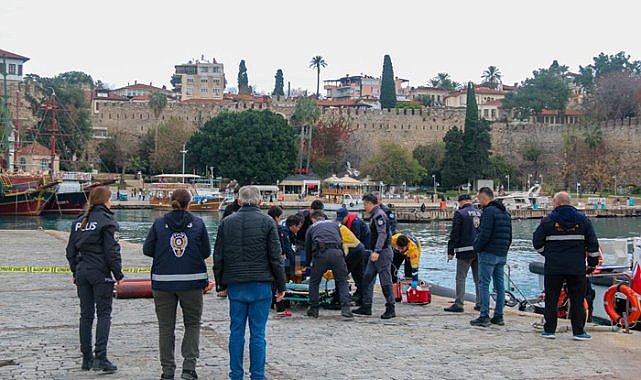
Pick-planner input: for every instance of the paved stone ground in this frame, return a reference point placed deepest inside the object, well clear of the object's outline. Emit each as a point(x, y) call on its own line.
point(39, 316)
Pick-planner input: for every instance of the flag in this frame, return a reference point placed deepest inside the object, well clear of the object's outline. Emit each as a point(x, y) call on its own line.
point(636, 279)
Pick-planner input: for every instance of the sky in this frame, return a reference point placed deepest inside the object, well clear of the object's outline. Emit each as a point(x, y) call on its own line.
point(119, 42)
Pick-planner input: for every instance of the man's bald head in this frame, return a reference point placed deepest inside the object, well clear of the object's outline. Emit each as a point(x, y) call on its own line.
point(562, 198)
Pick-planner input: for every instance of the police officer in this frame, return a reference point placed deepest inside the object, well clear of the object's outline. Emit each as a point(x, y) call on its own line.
point(563, 238)
point(380, 261)
point(93, 253)
point(317, 205)
point(324, 248)
point(465, 227)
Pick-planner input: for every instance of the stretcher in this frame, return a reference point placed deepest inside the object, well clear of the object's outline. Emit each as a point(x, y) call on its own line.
point(300, 292)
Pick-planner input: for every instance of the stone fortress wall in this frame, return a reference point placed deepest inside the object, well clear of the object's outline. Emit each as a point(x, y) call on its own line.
point(406, 127)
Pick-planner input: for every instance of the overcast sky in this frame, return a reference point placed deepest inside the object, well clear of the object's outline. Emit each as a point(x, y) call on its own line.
point(120, 41)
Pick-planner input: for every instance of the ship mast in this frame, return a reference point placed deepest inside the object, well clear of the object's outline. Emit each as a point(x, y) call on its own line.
point(53, 132)
point(6, 133)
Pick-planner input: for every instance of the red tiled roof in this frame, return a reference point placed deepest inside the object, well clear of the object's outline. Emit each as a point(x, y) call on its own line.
point(478, 90)
point(34, 149)
point(9, 54)
point(140, 86)
point(507, 87)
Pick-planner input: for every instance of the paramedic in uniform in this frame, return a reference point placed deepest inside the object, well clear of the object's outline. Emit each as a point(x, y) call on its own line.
point(380, 261)
point(94, 258)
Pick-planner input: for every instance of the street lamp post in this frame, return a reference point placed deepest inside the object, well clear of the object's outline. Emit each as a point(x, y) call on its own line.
point(529, 178)
point(404, 188)
point(434, 179)
point(508, 182)
point(615, 185)
point(211, 169)
point(578, 186)
point(184, 151)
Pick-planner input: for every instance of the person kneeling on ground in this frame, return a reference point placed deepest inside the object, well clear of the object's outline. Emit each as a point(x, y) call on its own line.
point(407, 251)
point(465, 227)
point(324, 247)
point(563, 238)
point(179, 244)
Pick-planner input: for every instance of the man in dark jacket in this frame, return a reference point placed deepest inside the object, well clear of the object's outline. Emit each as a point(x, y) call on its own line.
point(563, 238)
point(231, 208)
point(324, 246)
point(301, 257)
point(179, 244)
point(492, 244)
point(465, 227)
point(247, 262)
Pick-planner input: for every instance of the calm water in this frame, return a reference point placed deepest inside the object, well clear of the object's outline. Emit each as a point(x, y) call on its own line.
point(134, 225)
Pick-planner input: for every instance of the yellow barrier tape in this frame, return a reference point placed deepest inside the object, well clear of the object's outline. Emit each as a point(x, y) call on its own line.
point(48, 270)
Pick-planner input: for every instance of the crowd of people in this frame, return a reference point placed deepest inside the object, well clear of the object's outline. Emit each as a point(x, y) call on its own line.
point(256, 255)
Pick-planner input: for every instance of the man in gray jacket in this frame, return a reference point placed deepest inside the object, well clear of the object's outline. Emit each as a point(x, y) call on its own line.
point(247, 263)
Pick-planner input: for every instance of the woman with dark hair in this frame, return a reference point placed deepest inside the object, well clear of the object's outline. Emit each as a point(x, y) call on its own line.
point(179, 245)
point(93, 253)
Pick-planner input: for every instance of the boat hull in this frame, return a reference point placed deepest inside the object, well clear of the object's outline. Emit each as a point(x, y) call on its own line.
point(25, 203)
point(67, 203)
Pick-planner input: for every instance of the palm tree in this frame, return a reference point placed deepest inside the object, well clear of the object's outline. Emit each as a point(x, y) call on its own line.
point(317, 63)
point(492, 76)
point(444, 81)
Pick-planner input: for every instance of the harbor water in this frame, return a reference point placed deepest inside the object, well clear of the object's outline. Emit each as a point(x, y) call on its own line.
point(434, 267)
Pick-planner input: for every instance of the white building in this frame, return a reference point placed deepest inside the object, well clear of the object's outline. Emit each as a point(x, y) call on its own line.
point(201, 80)
point(14, 65)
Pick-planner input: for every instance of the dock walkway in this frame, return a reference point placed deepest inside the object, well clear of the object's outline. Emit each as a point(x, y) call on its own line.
point(39, 322)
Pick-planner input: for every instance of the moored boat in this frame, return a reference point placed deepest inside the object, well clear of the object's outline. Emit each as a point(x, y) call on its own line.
point(72, 194)
point(25, 194)
point(160, 198)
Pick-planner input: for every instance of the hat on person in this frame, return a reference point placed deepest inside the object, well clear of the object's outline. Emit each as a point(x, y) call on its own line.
point(341, 213)
point(464, 197)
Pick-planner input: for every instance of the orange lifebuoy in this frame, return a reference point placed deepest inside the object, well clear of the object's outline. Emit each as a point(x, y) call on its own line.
point(609, 302)
point(563, 309)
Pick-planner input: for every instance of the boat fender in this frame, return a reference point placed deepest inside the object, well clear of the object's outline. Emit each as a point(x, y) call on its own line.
point(609, 302)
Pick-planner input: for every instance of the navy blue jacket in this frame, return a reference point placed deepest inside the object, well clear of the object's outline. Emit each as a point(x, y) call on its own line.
point(325, 232)
point(381, 235)
point(287, 239)
point(360, 229)
point(95, 247)
point(179, 245)
point(495, 231)
point(391, 218)
point(563, 238)
point(465, 229)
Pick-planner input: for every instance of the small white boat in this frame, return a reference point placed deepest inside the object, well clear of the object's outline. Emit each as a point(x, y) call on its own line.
point(348, 201)
point(525, 200)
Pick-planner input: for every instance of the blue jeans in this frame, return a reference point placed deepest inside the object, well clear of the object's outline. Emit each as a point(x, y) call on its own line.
point(248, 300)
point(491, 267)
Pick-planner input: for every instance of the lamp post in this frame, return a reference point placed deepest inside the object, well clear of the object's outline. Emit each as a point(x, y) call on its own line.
point(578, 186)
point(434, 179)
point(508, 182)
point(529, 178)
point(615, 185)
point(211, 169)
point(469, 186)
point(404, 188)
point(184, 151)
point(382, 184)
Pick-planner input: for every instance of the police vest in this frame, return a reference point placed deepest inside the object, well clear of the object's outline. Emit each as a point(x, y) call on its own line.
point(471, 217)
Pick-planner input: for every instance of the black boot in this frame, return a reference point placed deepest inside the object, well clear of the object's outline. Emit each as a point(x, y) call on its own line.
point(363, 310)
point(346, 312)
point(87, 362)
point(101, 363)
point(390, 312)
point(312, 312)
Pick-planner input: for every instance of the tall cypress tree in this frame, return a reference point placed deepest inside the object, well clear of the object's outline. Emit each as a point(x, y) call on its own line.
point(477, 139)
point(243, 80)
point(388, 89)
point(279, 87)
point(454, 171)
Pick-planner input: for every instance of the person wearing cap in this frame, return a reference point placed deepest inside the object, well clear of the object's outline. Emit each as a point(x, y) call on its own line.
point(465, 228)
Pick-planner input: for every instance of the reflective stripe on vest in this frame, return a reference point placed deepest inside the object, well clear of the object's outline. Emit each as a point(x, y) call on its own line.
point(541, 250)
point(565, 237)
point(594, 254)
point(179, 277)
point(463, 249)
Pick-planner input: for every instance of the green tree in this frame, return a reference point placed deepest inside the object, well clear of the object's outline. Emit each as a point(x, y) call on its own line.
point(253, 147)
point(73, 124)
point(388, 87)
point(406, 104)
point(445, 82)
point(394, 165)
point(279, 86)
point(454, 172)
point(157, 103)
point(492, 76)
point(431, 157)
point(172, 134)
point(477, 139)
point(243, 80)
point(499, 169)
point(175, 82)
point(318, 63)
point(306, 114)
point(593, 136)
point(547, 89)
point(116, 151)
